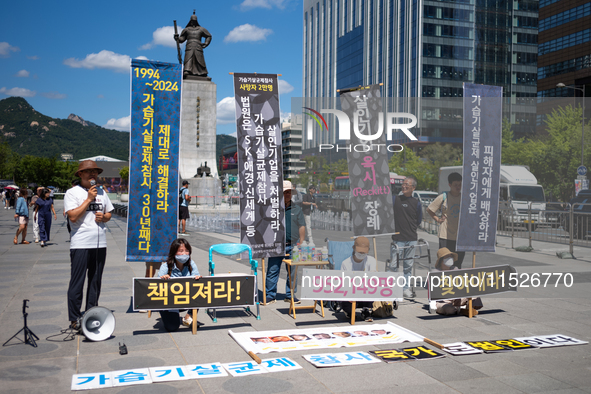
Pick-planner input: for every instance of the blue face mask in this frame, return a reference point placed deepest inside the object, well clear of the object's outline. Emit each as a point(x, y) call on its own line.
point(182, 258)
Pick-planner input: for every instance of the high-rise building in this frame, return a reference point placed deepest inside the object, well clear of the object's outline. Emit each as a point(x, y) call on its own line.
point(291, 145)
point(423, 49)
point(564, 52)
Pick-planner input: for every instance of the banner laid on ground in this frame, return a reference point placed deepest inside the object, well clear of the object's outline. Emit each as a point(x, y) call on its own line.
point(153, 163)
point(351, 285)
point(181, 293)
point(340, 359)
point(471, 282)
point(324, 337)
point(406, 354)
point(479, 205)
point(260, 164)
point(179, 372)
point(372, 212)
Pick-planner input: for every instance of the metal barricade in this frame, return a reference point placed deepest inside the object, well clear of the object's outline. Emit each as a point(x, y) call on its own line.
point(560, 223)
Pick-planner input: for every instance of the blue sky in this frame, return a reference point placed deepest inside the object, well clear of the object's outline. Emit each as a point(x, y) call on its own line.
point(73, 56)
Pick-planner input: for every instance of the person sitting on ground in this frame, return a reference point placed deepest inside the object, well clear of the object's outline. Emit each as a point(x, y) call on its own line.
point(178, 264)
point(359, 261)
point(445, 262)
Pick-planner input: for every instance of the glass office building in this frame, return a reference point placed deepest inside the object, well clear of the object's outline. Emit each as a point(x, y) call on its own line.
point(565, 48)
point(424, 49)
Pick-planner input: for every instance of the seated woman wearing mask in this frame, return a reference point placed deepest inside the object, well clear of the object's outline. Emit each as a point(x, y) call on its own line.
point(445, 262)
point(359, 261)
point(179, 264)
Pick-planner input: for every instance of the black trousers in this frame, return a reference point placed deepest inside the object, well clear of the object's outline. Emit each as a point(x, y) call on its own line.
point(451, 245)
point(85, 262)
point(347, 306)
point(171, 320)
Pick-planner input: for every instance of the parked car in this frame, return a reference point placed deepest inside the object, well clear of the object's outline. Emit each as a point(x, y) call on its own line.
point(581, 215)
point(426, 197)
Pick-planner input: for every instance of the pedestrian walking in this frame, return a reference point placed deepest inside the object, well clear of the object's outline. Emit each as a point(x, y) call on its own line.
point(35, 197)
point(43, 212)
point(21, 214)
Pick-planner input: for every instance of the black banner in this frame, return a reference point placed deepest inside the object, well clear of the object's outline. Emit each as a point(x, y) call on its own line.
point(472, 282)
point(185, 293)
point(372, 212)
point(260, 164)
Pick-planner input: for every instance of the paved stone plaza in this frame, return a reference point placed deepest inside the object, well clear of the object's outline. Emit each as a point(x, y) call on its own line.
point(42, 275)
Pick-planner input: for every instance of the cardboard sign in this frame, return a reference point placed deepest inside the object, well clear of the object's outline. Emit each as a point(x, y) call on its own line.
point(472, 282)
point(186, 293)
point(340, 359)
point(406, 354)
point(460, 349)
point(323, 337)
point(350, 285)
point(551, 340)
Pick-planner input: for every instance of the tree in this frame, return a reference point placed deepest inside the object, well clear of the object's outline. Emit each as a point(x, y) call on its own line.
point(556, 157)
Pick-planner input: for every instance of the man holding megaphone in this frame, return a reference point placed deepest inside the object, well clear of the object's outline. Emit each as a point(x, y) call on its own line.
point(88, 208)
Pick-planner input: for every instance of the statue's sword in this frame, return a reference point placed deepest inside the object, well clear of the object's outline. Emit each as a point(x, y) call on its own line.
point(178, 46)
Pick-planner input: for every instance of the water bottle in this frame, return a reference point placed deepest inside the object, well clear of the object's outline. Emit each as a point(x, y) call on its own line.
point(304, 252)
point(311, 251)
point(324, 253)
point(295, 254)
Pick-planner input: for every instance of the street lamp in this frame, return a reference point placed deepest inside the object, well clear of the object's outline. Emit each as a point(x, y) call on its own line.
point(561, 85)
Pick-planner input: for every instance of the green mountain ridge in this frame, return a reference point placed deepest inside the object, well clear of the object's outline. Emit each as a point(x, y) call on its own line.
point(29, 132)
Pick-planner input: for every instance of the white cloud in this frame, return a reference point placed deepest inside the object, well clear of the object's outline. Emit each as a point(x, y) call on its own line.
point(247, 32)
point(19, 92)
point(226, 111)
point(284, 86)
point(234, 134)
point(22, 74)
point(162, 36)
point(285, 117)
point(250, 4)
point(121, 124)
point(104, 59)
point(33, 57)
point(6, 48)
point(54, 95)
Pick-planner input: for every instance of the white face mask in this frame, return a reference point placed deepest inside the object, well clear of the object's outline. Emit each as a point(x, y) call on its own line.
point(448, 262)
point(360, 256)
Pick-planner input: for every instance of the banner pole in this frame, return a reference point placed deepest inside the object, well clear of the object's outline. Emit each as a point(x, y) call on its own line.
point(470, 315)
point(264, 281)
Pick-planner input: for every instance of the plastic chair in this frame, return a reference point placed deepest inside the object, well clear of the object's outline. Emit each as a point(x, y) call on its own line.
point(338, 251)
point(232, 249)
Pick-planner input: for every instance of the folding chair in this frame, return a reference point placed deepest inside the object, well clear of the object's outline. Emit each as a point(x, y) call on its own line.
point(338, 251)
point(421, 250)
point(232, 249)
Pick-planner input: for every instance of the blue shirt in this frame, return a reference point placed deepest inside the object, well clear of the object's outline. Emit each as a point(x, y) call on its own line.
point(176, 273)
point(21, 207)
point(184, 194)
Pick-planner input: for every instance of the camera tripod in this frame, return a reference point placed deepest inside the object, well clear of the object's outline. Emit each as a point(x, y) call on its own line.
point(29, 335)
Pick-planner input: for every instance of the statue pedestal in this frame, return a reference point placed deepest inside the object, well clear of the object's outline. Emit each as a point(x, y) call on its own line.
point(204, 189)
point(198, 128)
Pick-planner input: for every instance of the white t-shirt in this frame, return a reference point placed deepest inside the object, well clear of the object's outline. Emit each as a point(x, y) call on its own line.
point(368, 265)
point(86, 231)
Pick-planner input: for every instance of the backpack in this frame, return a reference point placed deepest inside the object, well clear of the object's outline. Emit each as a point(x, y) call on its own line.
point(382, 309)
point(181, 195)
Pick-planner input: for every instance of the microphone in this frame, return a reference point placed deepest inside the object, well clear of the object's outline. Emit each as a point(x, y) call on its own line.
point(93, 182)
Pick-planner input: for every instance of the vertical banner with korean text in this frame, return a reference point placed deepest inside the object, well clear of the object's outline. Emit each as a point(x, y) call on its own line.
point(260, 164)
point(372, 212)
point(152, 214)
point(479, 205)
